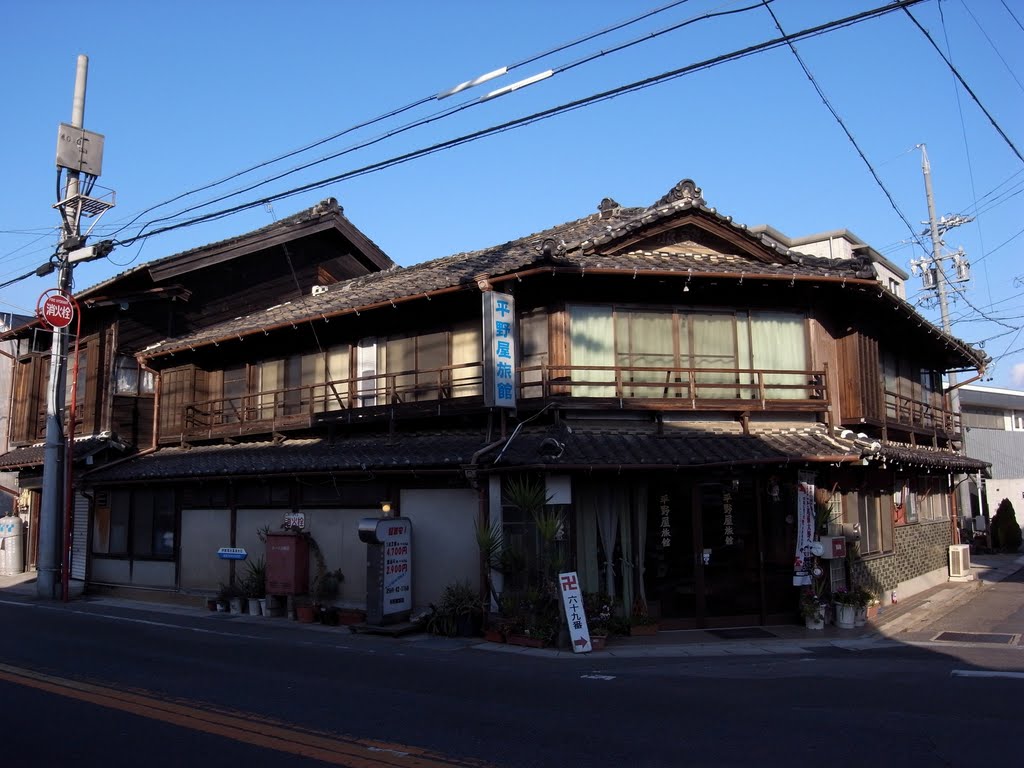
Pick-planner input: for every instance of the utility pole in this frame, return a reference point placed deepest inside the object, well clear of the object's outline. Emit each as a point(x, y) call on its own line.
point(78, 151)
point(52, 505)
point(940, 287)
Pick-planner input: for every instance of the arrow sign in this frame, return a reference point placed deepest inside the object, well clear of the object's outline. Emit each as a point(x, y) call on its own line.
point(581, 642)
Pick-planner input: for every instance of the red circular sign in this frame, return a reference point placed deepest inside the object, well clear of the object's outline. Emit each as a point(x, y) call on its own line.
point(58, 311)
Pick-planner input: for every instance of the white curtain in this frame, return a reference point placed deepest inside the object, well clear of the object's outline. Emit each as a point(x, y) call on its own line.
point(640, 515)
point(591, 335)
point(714, 346)
point(779, 342)
point(466, 349)
point(645, 340)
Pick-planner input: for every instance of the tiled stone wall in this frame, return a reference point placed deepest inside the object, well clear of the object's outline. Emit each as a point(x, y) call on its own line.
point(919, 549)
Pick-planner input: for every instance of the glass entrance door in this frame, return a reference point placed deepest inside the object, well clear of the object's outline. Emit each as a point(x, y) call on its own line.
point(728, 560)
point(702, 557)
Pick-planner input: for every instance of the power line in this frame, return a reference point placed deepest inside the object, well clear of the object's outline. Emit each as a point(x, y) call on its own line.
point(839, 120)
point(967, 88)
point(544, 114)
point(989, 39)
point(1011, 14)
point(442, 114)
point(412, 105)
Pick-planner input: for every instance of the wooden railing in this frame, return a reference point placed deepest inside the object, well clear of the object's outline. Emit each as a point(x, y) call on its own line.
point(730, 389)
point(921, 414)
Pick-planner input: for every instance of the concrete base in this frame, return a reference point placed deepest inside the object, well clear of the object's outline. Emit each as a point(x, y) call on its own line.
point(928, 580)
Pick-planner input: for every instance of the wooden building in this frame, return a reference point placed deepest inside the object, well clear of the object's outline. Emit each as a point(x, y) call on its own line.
point(680, 385)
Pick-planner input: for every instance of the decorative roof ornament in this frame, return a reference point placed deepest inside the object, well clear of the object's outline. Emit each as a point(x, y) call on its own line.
point(608, 208)
point(686, 191)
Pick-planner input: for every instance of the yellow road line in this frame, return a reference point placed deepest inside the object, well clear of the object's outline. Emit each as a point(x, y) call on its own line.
point(250, 729)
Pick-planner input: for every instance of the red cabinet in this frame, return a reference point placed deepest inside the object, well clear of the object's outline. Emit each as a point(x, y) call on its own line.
point(287, 564)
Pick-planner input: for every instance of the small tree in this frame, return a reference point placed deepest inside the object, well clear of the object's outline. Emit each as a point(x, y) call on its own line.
point(1006, 534)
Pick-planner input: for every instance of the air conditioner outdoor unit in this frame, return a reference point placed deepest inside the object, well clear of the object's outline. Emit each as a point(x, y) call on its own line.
point(960, 562)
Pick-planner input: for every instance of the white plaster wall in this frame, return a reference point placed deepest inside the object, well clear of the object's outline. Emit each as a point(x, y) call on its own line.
point(444, 540)
point(203, 532)
point(337, 533)
point(1005, 488)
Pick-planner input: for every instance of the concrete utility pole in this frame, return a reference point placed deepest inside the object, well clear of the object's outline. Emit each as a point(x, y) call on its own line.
point(54, 471)
point(940, 287)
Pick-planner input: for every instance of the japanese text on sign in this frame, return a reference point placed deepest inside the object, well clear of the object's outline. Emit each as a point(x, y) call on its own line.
point(499, 350)
point(572, 601)
point(397, 581)
point(665, 524)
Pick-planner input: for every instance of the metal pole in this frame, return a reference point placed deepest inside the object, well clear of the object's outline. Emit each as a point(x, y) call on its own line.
point(54, 475)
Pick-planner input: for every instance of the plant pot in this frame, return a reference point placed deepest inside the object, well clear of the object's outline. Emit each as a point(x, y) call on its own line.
point(860, 616)
point(526, 641)
point(237, 604)
point(598, 642)
point(643, 630)
point(845, 616)
point(262, 602)
point(493, 635)
point(817, 621)
point(254, 607)
point(347, 616)
point(211, 604)
point(329, 616)
point(305, 614)
point(872, 611)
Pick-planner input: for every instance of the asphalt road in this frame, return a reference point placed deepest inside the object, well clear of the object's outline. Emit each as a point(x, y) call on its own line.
point(114, 686)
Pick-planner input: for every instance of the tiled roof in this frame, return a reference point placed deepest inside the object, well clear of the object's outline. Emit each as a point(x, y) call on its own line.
point(586, 446)
point(378, 452)
point(33, 455)
point(689, 445)
point(570, 245)
point(934, 458)
point(325, 209)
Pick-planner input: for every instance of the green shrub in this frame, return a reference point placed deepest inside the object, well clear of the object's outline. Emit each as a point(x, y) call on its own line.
point(1006, 535)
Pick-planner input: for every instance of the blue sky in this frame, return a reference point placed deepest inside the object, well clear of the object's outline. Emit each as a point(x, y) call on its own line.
point(187, 93)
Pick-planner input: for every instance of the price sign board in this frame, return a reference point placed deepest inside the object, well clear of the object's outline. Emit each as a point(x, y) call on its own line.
point(232, 553)
point(388, 568)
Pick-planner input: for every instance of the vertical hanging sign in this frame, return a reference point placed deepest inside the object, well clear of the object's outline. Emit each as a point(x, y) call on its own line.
point(499, 350)
point(805, 533)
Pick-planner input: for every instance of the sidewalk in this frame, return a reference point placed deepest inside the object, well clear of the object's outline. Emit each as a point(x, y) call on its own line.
point(741, 641)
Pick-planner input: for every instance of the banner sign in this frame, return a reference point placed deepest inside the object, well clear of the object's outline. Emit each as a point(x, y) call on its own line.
point(572, 601)
point(805, 533)
point(499, 350)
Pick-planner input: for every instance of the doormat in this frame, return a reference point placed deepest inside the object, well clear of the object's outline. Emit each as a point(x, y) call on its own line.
point(975, 637)
point(741, 633)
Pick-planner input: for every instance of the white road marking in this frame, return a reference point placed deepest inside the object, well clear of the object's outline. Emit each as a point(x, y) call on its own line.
point(597, 677)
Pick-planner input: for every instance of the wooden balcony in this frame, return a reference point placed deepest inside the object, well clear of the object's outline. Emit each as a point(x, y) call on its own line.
point(921, 416)
point(460, 388)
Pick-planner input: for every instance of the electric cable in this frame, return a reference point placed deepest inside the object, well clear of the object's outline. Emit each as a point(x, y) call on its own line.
point(442, 114)
point(839, 120)
point(411, 105)
point(967, 88)
point(735, 55)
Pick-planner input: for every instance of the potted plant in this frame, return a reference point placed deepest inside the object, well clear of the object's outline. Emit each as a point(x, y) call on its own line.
point(846, 603)
point(598, 609)
point(812, 608)
point(640, 621)
point(254, 585)
point(457, 613)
